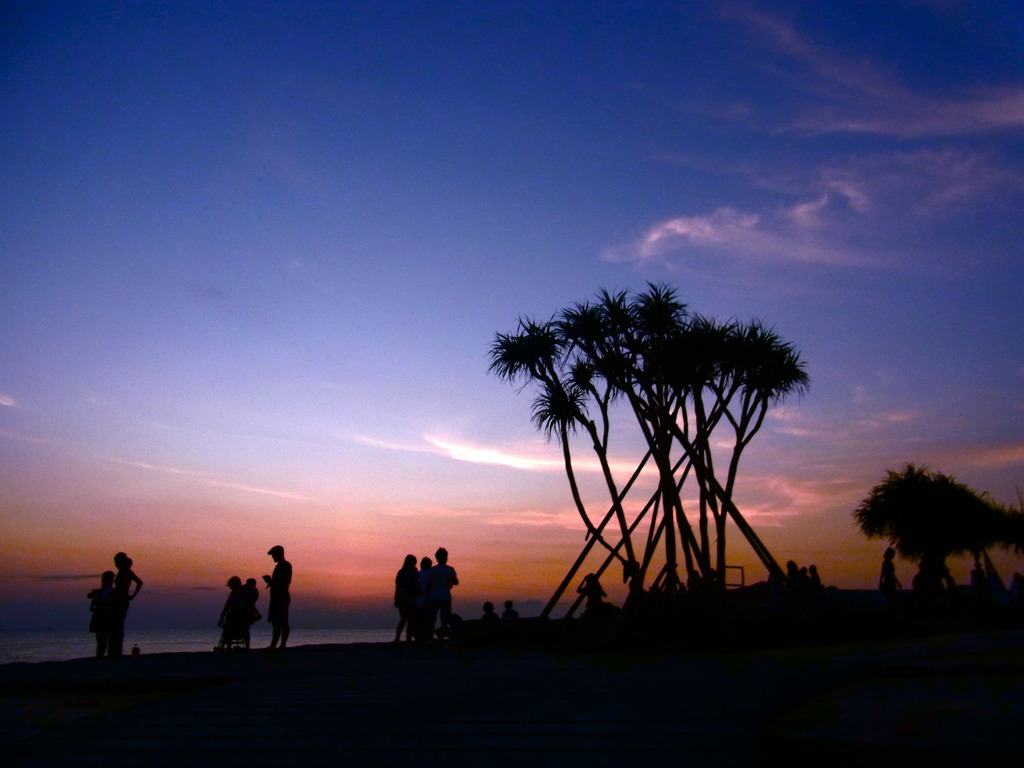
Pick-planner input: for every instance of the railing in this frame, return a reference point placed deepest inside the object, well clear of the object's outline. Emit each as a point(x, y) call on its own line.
point(743, 578)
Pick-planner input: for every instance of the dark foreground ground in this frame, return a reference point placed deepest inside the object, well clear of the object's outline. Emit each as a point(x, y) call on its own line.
point(949, 700)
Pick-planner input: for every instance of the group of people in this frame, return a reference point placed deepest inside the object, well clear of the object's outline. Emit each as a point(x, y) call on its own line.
point(804, 578)
point(240, 611)
point(933, 584)
point(424, 595)
point(490, 615)
point(109, 605)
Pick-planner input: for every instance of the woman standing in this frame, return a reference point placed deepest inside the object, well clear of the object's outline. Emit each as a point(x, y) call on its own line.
point(122, 595)
point(887, 581)
point(407, 589)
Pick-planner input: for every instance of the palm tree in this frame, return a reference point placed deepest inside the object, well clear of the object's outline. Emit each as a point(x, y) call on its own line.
point(927, 516)
point(538, 352)
point(760, 370)
point(681, 376)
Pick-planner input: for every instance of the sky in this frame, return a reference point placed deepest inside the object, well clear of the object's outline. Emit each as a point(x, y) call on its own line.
point(254, 255)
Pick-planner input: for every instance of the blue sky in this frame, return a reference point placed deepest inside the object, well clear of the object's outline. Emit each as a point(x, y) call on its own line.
point(254, 255)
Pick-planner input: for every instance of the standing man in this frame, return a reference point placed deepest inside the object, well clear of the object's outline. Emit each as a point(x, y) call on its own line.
point(278, 585)
point(440, 580)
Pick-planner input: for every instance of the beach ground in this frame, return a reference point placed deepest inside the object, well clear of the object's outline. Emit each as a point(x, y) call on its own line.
point(953, 700)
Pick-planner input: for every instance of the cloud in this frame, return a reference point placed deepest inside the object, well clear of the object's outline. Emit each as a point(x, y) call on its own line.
point(839, 214)
point(905, 115)
point(434, 512)
point(862, 430)
point(483, 455)
point(25, 438)
point(921, 183)
point(786, 234)
point(205, 478)
point(568, 519)
point(536, 458)
point(988, 456)
point(8, 401)
point(857, 97)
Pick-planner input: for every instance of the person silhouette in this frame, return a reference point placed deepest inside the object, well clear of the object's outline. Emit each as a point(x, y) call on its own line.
point(234, 616)
point(123, 594)
point(932, 579)
point(978, 585)
point(233, 601)
point(422, 632)
point(407, 589)
point(813, 578)
point(510, 613)
point(278, 584)
point(252, 596)
point(102, 601)
point(887, 581)
point(440, 580)
point(796, 577)
point(593, 591)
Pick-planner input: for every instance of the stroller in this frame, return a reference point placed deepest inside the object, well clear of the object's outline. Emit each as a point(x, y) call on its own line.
point(234, 633)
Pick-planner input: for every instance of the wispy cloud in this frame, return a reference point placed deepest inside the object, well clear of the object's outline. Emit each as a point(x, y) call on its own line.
point(25, 438)
point(7, 401)
point(919, 183)
point(483, 455)
point(861, 425)
point(469, 453)
point(535, 518)
point(420, 511)
point(533, 458)
point(906, 115)
point(781, 500)
point(834, 214)
point(789, 234)
point(396, 445)
point(206, 478)
point(583, 462)
point(988, 456)
point(856, 96)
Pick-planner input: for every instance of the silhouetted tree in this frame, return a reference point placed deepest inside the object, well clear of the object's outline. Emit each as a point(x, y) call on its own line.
point(682, 377)
point(926, 515)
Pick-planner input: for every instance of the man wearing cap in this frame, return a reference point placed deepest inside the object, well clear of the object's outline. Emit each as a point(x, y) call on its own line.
point(278, 585)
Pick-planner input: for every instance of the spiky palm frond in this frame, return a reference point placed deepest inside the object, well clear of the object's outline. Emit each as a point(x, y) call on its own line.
point(584, 325)
point(1011, 533)
point(559, 408)
point(926, 513)
point(657, 313)
point(533, 352)
point(583, 373)
point(768, 367)
point(697, 355)
point(658, 320)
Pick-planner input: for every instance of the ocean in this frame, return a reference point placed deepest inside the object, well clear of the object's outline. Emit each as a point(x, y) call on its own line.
point(62, 645)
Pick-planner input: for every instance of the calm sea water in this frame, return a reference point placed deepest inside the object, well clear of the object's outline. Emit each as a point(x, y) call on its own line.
point(61, 645)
